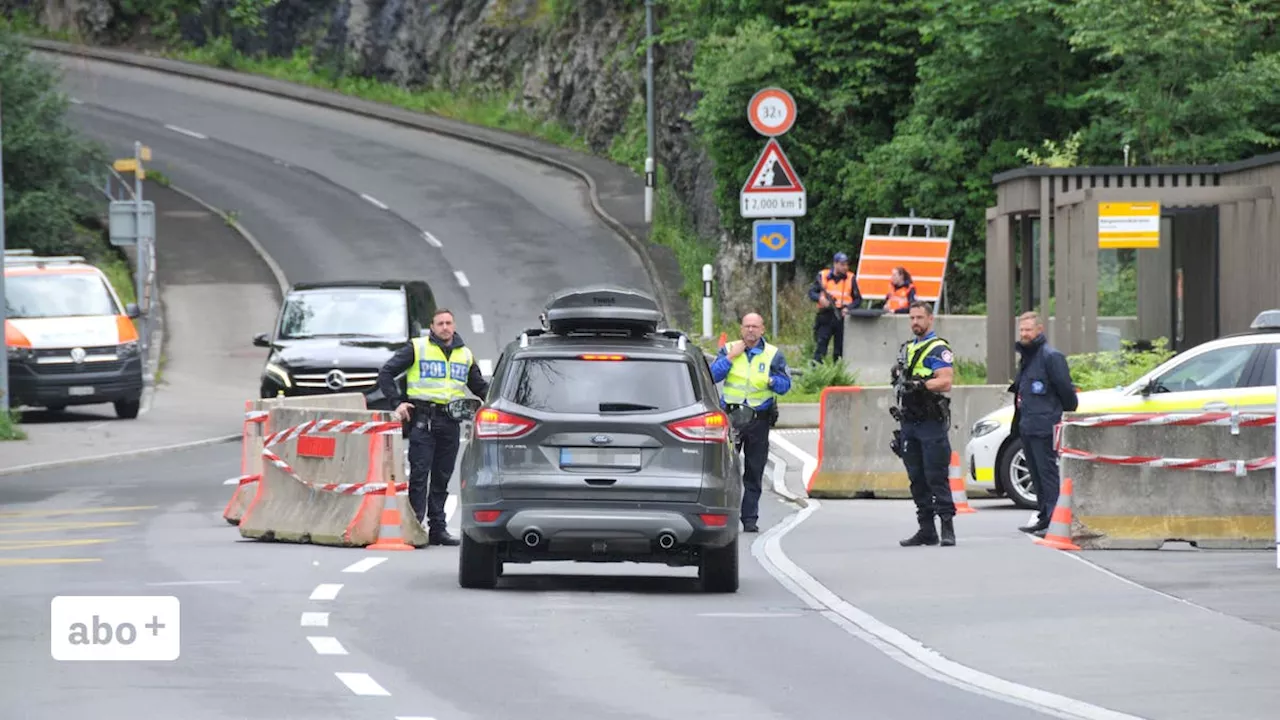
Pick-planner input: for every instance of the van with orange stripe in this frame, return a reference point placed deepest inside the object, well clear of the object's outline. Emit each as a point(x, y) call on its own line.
point(70, 340)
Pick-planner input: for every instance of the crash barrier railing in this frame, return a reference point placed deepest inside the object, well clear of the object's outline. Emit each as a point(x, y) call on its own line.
point(855, 432)
point(257, 425)
point(293, 501)
point(1137, 481)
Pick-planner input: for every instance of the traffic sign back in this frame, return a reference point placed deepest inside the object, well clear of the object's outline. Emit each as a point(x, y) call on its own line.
point(773, 188)
point(774, 240)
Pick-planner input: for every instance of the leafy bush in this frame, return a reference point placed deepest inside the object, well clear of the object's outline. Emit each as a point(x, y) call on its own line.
point(1105, 370)
point(829, 373)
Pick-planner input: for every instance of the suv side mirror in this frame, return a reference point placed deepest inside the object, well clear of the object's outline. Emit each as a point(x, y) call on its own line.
point(1148, 388)
point(132, 310)
point(261, 340)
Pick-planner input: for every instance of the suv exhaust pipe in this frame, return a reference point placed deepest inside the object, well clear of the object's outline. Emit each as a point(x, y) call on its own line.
point(532, 538)
point(666, 540)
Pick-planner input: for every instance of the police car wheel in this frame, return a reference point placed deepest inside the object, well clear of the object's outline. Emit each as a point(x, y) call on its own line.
point(1015, 477)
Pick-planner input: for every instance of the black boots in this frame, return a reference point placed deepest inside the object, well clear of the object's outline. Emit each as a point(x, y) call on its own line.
point(927, 535)
point(948, 532)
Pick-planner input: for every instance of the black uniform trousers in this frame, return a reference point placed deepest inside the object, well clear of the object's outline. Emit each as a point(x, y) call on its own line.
point(753, 442)
point(1042, 461)
point(926, 449)
point(433, 450)
point(828, 327)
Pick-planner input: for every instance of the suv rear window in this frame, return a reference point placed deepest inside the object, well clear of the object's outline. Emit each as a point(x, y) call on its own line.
point(573, 385)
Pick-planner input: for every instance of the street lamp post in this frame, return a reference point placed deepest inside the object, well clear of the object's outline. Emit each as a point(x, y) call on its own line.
point(650, 174)
point(4, 364)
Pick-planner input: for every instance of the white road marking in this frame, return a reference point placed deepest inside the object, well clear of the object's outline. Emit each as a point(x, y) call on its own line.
point(326, 591)
point(431, 239)
point(450, 506)
point(374, 201)
point(477, 324)
point(486, 366)
point(361, 684)
point(462, 278)
point(315, 619)
point(327, 646)
point(76, 101)
point(195, 582)
point(415, 717)
point(188, 133)
point(749, 615)
point(231, 481)
point(893, 642)
point(364, 565)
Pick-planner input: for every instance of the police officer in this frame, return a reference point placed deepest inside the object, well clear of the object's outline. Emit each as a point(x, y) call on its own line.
point(923, 373)
point(438, 369)
point(754, 373)
point(1043, 390)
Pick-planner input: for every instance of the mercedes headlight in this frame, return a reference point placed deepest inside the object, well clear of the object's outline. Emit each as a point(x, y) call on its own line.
point(280, 374)
point(984, 427)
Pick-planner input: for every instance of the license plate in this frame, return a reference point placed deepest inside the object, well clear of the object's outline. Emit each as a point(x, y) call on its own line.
point(591, 457)
point(80, 390)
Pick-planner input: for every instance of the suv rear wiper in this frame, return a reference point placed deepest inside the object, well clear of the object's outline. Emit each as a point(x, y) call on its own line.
point(623, 406)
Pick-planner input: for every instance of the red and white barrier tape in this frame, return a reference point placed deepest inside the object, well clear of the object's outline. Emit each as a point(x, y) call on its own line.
point(257, 416)
point(343, 488)
point(333, 426)
point(1233, 419)
point(1238, 467)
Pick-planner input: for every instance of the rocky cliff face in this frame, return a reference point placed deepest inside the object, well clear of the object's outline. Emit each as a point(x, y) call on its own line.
point(579, 62)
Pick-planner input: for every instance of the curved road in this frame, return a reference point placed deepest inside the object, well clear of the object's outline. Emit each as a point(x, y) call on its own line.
point(286, 631)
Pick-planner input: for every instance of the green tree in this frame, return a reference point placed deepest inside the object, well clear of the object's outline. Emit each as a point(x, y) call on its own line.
point(46, 162)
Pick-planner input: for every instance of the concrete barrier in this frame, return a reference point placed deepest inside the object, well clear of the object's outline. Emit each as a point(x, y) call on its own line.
point(798, 415)
point(334, 488)
point(258, 428)
point(855, 429)
point(1133, 487)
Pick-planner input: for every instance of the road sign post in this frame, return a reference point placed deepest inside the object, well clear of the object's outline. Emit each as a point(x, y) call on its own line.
point(773, 242)
point(133, 222)
point(706, 300)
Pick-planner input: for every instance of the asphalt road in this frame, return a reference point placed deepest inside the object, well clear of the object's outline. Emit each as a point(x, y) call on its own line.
point(577, 643)
point(515, 230)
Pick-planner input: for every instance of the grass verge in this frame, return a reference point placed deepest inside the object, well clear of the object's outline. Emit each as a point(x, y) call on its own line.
point(9, 426)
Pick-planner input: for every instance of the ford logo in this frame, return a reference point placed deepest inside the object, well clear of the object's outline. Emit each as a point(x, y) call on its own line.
point(601, 440)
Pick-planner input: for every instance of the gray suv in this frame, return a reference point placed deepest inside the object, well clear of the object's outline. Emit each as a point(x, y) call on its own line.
point(602, 440)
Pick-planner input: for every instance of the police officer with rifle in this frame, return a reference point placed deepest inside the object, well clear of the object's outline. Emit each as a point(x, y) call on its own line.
point(923, 373)
point(439, 369)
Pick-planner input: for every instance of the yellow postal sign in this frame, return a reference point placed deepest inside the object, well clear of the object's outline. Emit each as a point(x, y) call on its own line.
point(1129, 225)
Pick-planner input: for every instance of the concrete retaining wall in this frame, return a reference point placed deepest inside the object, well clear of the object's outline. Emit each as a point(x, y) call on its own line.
point(854, 459)
point(1134, 507)
point(871, 343)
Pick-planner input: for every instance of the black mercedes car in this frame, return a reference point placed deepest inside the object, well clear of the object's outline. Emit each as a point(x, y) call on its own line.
point(333, 337)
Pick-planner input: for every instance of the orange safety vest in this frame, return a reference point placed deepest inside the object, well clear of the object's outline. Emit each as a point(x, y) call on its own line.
point(898, 298)
point(842, 291)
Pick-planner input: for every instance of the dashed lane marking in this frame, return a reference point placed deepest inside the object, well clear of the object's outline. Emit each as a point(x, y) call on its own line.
point(39, 544)
point(188, 133)
point(477, 324)
point(327, 646)
point(486, 367)
point(361, 684)
point(326, 591)
point(77, 511)
point(462, 278)
point(364, 565)
point(431, 239)
point(32, 527)
point(10, 562)
point(450, 507)
point(315, 619)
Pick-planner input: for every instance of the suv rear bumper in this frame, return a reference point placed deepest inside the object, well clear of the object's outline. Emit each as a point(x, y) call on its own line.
point(624, 527)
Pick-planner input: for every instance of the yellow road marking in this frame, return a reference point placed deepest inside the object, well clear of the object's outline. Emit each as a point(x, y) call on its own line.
point(81, 511)
point(37, 544)
point(4, 562)
point(29, 527)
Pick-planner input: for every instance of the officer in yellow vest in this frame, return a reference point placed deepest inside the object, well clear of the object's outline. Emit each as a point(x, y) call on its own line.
point(924, 372)
point(754, 373)
point(438, 369)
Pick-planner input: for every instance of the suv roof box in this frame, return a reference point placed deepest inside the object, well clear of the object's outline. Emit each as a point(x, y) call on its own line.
point(602, 308)
point(1268, 319)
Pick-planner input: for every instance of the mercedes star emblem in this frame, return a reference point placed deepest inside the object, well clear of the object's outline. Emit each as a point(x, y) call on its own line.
point(336, 380)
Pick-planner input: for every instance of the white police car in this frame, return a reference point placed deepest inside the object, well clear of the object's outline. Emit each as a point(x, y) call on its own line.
point(1233, 372)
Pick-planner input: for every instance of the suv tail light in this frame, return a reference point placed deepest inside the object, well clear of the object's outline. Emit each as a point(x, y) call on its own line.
point(495, 424)
point(712, 427)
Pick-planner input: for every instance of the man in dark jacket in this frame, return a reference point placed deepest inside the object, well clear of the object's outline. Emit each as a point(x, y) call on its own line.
point(438, 369)
point(1042, 391)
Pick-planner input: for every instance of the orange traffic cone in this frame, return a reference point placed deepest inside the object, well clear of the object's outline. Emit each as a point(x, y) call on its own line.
point(390, 536)
point(1059, 534)
point(958, 494)
point(724, 338)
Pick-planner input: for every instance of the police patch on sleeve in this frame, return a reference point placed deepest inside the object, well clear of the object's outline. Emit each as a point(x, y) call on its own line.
point(946, 356)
